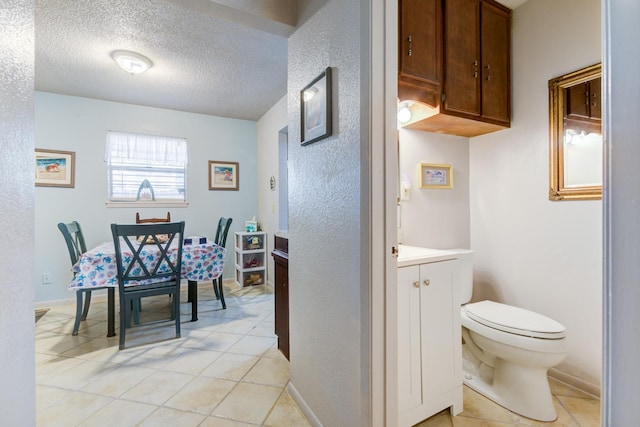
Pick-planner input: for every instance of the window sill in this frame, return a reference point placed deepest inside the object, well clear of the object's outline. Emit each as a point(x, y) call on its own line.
point(146, 204)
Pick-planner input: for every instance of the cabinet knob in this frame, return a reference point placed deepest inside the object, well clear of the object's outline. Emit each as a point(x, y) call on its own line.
point(416, 284)
point(427, 282)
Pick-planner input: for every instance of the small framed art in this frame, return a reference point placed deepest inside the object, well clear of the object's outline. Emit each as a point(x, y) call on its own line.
point(315, 109)
point(54, 168)
point(436, 176)
point(224, 175)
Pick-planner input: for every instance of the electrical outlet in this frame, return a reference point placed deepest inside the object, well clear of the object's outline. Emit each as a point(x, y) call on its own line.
point(46, 278)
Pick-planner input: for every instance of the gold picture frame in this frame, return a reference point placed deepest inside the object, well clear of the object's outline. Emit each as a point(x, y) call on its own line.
point(224, 175)
point(561, 185)
point(435, 176)
point(54, 168)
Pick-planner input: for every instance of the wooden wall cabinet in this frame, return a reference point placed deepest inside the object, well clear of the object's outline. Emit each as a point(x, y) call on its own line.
point(456, 63)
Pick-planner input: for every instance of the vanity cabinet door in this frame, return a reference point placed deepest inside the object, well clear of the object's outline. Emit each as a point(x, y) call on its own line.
point(429, 341)
point(409, 339)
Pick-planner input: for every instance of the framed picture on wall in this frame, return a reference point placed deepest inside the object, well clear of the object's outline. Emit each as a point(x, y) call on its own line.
point(54, 168)
point(436, 176)
point(224, 175)
point(315, 109)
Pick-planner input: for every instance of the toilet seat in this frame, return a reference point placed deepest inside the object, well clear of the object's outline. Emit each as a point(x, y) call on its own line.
point(514, 320)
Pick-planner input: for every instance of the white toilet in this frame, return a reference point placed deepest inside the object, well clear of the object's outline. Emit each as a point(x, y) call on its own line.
point(507, 351)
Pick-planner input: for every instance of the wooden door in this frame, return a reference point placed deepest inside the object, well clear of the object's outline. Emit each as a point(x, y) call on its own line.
point(496, 63)
point(462, 57)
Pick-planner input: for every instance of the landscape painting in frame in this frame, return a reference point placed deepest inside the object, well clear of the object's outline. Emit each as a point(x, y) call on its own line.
point(223, 175)
point(436, 176)
point(54, 168)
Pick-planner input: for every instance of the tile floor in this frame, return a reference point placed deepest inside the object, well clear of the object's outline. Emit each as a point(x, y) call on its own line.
point(225, 372)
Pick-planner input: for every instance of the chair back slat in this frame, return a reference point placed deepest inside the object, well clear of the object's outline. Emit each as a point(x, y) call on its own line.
point(74, 238)
point(156, 255)
point(223, 230)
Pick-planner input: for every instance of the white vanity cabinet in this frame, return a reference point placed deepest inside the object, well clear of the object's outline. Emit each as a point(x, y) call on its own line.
point(429, 340)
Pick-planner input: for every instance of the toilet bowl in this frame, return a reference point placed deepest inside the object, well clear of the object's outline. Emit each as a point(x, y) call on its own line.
point(507, 352)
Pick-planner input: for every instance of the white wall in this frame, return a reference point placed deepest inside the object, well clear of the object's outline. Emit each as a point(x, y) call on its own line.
point(17, 353)
point(435, 218)
point(80, 125)
point(531, 252)
point(268, 128)
point(324, 223)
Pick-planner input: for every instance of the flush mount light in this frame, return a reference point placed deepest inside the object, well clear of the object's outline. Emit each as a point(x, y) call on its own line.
point(131, 62)
point(404, 112)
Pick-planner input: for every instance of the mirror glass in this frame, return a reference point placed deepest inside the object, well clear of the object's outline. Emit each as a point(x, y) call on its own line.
point(575, 123)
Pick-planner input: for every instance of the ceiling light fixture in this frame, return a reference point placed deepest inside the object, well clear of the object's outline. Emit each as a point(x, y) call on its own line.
point(131, 62)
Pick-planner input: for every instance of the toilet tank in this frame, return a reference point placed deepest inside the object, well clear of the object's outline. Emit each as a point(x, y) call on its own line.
point(465, 271)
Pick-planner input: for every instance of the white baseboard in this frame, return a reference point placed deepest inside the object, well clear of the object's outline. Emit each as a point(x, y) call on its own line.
point(311, 417)
point(575, 382)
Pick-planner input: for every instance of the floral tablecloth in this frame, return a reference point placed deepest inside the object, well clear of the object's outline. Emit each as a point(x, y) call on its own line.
point(97, 267)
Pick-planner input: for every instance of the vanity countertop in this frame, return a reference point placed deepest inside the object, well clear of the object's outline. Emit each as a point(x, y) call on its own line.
point(414, 255)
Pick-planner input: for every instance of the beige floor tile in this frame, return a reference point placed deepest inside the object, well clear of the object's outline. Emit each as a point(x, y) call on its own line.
point(268, 371)
point(286, 413)
point(58, 344)
point(564, 418)
point(201, 395)
point(476, 422)
point(168, 417)
point(80, 375)
point(249, 403)
point(231, 366)
point(252, 346)
point(47, 396)
point(119, 413)
point(219, 341)
point(221, 422)
point(274, 353)
point(205, 323)
point(192, 361)
point(70, 410)
point(54, 367)
point(264, 329)
point(477, 406)
point(238, 326)
point(441, 419)
point(158, 388)
point(561, 389)
point(153, 357)
point(585, 411)
point(118, 380)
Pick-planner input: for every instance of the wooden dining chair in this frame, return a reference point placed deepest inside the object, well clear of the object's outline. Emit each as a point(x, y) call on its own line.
point(76, 245)
point(221, 240)
point(152, 220)
point(157, 264)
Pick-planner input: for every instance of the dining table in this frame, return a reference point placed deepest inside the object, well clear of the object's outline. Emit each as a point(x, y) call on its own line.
point(202, 260)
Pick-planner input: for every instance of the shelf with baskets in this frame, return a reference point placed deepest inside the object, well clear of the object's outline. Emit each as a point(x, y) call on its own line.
point(250, 258)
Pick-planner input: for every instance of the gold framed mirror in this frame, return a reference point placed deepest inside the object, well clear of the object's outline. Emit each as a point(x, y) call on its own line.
point(575, 135)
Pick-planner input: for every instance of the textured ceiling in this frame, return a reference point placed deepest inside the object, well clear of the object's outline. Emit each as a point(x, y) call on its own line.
point(220, 57)
point(207, 56)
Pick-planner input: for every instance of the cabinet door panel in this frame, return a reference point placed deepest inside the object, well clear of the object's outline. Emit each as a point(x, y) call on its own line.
point(595, 93)
point(496, 34)
point(421, 57)
point(409, 359)
point(440, 329)
point(462, 57)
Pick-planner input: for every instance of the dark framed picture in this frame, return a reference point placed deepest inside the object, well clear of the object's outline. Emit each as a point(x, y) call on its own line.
point(223, 175)
point(315, 109)
point(55, 168)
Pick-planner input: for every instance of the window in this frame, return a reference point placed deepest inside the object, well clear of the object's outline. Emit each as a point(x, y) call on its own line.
point(146, 168)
